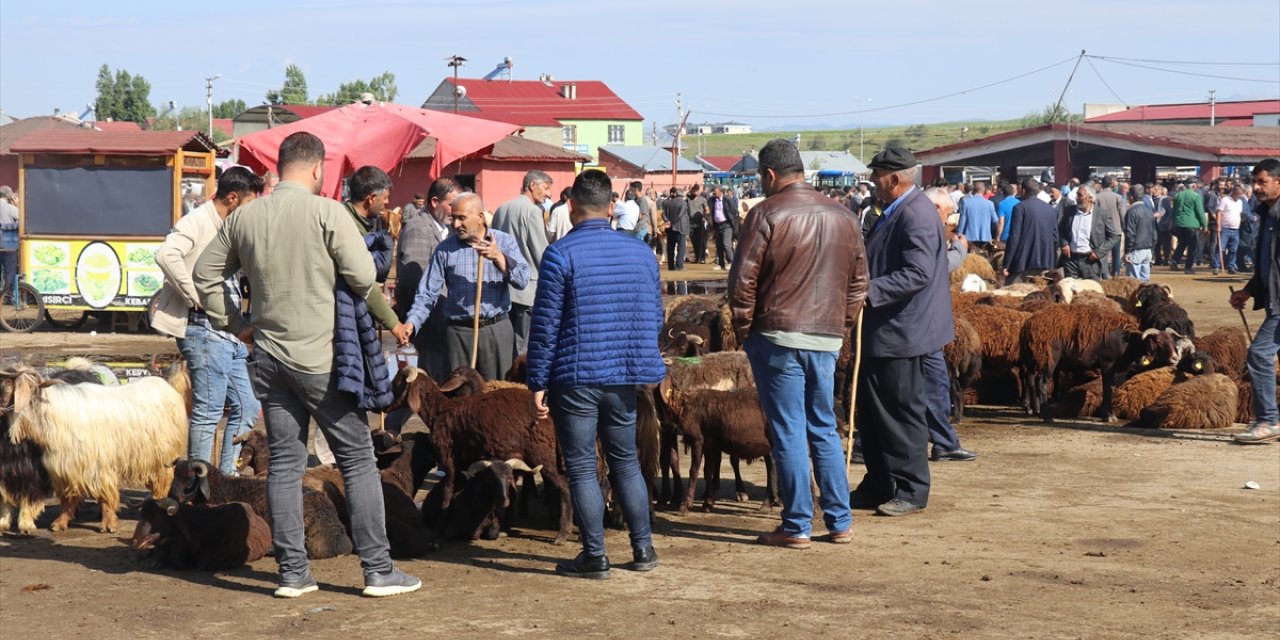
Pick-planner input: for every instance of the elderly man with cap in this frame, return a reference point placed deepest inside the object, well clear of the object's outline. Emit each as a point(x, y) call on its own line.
point(907, 318)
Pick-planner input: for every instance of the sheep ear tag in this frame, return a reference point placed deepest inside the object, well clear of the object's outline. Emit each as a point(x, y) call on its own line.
point(1199, 366)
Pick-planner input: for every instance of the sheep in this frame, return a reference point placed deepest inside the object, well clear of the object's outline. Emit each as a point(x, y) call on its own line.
point(1229, 349)
point(961, 300)
point(24, 482)
point(99, 438)
point(202, 537)
point(999, 333)
point(254, 455)
point(973, 283)
point(715, 422)
point(964, 362)
point(1081, 338)
point(1095, 299)
point(1140, 390)
point(685, 341)
point(1034, 302)
point(1016, 290)
point(724, 371)
point(1080, 400)
point(198, 482)
point(1207, 401)
point(494, 425)
point(1155, 308)
point(705, 311)
point(1066, 289)
point(1121, 287)
point(479, 507)
point(976, 265)
point(493, 385)
point(1147, 294)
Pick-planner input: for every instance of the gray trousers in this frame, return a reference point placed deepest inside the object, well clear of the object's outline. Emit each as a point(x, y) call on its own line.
point(497, 344)
point(290, 400)
point(521, 319)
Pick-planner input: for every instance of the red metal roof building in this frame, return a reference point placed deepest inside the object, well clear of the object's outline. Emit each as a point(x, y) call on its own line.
point(1247, 113)
point(496, 174)
point(1073, 150)
point(15, 131)
point(117, 125)
point(136, 143)
point(718, 163)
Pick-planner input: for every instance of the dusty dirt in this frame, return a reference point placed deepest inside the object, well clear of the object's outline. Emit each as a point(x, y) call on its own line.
point(1071, 531)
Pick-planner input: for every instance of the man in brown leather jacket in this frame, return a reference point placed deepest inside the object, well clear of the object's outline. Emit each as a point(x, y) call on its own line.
point(800, 254)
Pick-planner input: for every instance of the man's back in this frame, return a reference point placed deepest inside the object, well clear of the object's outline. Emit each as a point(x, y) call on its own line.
point(1139, 227)
point(1188, 209)
point(977, 216)
point(294, 245)
point(521, 218)
point(1109, 203)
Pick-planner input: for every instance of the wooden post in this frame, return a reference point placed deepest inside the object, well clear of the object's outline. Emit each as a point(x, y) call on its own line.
point(475, 333)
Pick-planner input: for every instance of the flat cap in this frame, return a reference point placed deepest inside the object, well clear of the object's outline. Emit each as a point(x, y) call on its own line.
point(893, 159)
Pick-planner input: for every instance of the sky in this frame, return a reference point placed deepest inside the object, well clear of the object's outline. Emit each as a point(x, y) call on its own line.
point(773, 65)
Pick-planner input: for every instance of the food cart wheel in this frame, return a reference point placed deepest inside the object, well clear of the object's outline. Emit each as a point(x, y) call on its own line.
point(21, 311)
point(66, 318)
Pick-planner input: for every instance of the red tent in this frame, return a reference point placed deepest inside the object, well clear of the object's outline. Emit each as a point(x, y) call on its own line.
point(380, 135)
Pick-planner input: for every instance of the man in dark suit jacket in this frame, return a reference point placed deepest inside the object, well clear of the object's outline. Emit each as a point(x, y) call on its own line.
point(907, 317)
point(1033, 237)
point(1085, 235)
point(675, 212)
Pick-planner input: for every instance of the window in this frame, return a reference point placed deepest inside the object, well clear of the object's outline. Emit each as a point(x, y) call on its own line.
point(570, 136)
point(617, 134)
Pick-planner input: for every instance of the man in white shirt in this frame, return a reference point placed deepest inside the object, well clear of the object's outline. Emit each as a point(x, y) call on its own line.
point(1085, 237)
point(1230, 209)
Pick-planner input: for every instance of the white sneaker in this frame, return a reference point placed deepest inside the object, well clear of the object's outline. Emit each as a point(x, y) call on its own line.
point(381, 585)
point(297, 588)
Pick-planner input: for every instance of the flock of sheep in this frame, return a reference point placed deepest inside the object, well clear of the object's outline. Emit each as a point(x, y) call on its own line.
point(1054, 346)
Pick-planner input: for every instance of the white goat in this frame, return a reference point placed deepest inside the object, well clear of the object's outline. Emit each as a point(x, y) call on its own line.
point(98, 438)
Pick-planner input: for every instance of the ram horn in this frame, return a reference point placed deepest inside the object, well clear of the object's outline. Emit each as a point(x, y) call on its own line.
point(200, 468)
point(695, 339)
point(477, 467)
point(1150, 332)
point(517, 464)
point(412, 375)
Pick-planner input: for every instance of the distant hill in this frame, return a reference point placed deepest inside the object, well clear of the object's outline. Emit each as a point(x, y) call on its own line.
point(915, 137)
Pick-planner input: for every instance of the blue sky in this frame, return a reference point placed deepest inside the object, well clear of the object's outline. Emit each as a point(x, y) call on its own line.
point(742, 59)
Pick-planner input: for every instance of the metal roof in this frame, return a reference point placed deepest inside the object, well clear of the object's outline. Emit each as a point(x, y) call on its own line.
point(510, 148)
point(135, 143)
point(842, 161)
point(719, 163)
point(649, 159)
point(1191, 111)
point(533, 102)
point(14, 131)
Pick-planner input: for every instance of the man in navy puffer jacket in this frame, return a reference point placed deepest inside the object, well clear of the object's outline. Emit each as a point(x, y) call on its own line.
point(593, 338)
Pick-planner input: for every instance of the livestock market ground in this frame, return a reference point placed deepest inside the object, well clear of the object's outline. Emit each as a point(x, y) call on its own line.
point(1072, 531)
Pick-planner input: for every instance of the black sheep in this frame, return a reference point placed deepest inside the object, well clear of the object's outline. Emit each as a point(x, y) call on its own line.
point(202, 537)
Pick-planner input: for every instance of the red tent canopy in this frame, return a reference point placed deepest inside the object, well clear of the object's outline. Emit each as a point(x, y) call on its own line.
point(381, 135)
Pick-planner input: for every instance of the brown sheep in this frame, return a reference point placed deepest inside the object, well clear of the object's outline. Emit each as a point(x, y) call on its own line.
point(961, 300)
point(1080, 401)
point(1121, 287)
point(1142, 389)
point(1094, 299)
point(497, 425)
point(963, 356)
point(1228, 347)
point(999, 334)
point(1075, 338)
point(1203, 402)
point(976, 264)
point(724, 371)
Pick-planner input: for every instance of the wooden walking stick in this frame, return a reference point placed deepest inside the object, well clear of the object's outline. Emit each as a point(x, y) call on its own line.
point(853, 385)
point(1241, 312)
point(475, 333)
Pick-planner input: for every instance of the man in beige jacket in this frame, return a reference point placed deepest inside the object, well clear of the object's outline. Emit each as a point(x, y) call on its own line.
point(216, 359)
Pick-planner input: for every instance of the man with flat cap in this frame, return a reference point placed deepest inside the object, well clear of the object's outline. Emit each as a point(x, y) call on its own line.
point(906, 318)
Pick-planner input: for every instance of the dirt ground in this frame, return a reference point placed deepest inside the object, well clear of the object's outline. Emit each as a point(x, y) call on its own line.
point(1076, 530)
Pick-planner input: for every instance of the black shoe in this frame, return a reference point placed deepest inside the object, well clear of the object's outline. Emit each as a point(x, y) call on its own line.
point(644, 560)
point(858, 501)
point(858, 457)
point(584, 566)
point(959, 454)
point(898, 507)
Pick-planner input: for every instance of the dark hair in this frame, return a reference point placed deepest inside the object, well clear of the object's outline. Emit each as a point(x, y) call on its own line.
point(1108, 182)
point(1008, 189)
point(1031, 186)
point(442, 187)
point(1136, 191)
point(238, 180)
point(299, 148)
point(1270, 165)
point(638, 186)
point(941, 182)
point(366, 181)
point(592, 192)
point(782, 157)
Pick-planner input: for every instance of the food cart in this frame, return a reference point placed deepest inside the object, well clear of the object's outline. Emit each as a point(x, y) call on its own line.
point(95, 207)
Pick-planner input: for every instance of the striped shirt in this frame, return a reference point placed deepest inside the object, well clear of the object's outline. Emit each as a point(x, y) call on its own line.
point(453, 269)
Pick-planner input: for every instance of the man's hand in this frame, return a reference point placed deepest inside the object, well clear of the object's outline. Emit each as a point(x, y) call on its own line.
point(539, 404)
point(1239, 298)
point(402, 332)
point(962, 241)
point(1004, 272)
point(1066, 251)
point(246, 336)
point(1093, 257)
point(489, 249)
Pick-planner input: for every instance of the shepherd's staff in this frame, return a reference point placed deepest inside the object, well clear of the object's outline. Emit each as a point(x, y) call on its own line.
point(1241, 311)
point(475, 332)
point(853, 386)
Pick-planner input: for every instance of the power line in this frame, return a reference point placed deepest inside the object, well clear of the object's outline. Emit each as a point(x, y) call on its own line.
point(1104, 83)
point(1194, 62)
point(1185, 73)
point(898, 106)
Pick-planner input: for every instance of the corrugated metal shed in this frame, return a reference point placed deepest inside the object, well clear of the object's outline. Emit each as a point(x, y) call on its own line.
point(649, 158)
point(141, 143)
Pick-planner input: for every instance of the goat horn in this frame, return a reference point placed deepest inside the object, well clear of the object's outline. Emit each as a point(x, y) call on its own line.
point(671, 333)
point(1150, 332)
point(695, 339)
point(200, 468)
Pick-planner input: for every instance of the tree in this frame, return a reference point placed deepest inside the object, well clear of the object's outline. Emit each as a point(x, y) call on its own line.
point(294, 89)
point(122, 96)
point(383, 88)
point(816, 142)
point(916, 132)
point(189, 119)
point(1051, 114)
point(229, 108)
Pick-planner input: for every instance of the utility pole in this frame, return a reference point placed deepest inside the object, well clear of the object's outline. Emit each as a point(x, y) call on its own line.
point(861, 119)
point(675, 146)
point(455, 61)
point(1213, 106)
point(208, 88)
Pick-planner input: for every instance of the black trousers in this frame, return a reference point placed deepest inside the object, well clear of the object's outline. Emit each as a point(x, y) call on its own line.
point(895, 437)
point(1188, 240)
point(698, 233)
point(1080, 266)
point(675, 250)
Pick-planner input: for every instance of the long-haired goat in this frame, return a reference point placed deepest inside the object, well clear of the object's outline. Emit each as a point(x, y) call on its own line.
point(97, 439)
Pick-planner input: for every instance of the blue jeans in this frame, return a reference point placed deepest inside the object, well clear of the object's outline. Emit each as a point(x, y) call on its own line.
point(1262, 362)
point(937, 415)
point(799, 407)
point(581, 414)
point(292, 400)
point(1230, 242)
point(218, 378)
point(1138, 264)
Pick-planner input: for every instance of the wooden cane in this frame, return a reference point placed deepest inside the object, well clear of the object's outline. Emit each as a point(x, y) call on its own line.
point(853, 386)
point(1241, 312)
point(475, 333)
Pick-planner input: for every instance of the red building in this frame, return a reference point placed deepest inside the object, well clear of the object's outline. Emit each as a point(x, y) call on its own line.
point(1248, 113)
point(496, 175)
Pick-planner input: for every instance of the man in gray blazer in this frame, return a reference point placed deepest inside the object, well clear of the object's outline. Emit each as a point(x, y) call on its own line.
point(907, 317)
point(522, 218)
point(1085, 235)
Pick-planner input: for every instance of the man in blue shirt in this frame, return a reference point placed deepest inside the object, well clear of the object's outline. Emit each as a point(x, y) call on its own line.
point(1004, 210)
point(1264, 288)
point(455, 263)
point(593, 338)
point(977, 219)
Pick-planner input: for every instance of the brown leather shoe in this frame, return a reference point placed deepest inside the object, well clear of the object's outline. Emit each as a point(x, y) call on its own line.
point(780, 538)
point(841, 537)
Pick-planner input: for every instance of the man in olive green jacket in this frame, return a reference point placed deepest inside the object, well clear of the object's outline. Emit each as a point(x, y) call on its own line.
point(1189, 220)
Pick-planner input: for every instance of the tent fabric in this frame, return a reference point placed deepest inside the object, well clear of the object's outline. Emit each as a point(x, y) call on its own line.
point(381, 135)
